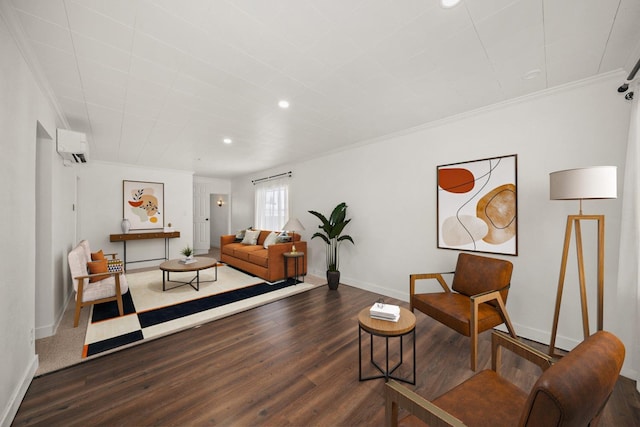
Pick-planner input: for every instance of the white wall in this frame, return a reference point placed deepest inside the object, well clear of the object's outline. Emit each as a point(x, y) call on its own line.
point(22, 106)
point(390, 188)
point(100, 209)
point(55, 219)
point(218, 216)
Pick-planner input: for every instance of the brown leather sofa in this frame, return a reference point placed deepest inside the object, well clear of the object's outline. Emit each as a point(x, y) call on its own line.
point(268, 263)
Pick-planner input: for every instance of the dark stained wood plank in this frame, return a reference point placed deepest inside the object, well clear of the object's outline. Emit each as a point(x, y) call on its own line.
point(289, 363)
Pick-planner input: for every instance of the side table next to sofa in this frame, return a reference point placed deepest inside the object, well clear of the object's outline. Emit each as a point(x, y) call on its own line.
point(295, 256)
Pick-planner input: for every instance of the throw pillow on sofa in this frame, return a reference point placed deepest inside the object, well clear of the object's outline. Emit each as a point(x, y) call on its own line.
point(251, 237)
point(271, 239)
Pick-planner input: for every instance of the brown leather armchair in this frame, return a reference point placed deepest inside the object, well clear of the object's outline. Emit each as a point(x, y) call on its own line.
point(570, 392)
point(480, 286)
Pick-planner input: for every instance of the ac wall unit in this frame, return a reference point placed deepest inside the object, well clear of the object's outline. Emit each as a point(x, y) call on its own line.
point(72, 146)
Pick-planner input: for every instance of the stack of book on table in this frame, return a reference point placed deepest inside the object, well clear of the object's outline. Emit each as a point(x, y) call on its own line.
point(188, 260)
point(388, 312)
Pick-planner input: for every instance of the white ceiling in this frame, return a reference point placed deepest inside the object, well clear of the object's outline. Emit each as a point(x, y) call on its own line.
point(162, 82)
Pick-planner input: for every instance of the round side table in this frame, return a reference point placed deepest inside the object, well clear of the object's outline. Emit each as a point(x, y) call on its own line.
point(384, 328)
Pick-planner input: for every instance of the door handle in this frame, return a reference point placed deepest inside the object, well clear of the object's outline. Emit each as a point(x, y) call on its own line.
point(206, 219)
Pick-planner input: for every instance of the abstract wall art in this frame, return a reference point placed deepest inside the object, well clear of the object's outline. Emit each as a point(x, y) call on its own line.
point(478, 205)
point(143, 204)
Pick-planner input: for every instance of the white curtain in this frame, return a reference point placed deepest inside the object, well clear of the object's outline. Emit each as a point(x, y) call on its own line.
point(628, 271)
point(272, 204)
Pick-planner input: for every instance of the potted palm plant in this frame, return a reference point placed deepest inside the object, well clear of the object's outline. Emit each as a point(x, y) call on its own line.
point(332, 235)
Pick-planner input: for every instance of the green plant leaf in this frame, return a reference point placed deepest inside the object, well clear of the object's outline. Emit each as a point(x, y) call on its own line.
point(346, 237)
point(322, 236)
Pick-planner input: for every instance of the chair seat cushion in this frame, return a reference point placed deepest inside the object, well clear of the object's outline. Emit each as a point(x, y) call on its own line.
point(454, 310)
point(104, 288)
point(486, 399)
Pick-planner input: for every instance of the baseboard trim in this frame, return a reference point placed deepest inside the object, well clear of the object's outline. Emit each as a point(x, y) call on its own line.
point(13, 405)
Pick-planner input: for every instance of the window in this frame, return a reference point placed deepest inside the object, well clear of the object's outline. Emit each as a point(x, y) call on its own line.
point(272, 204)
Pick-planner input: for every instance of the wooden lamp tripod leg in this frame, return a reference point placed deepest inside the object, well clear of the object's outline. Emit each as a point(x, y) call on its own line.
point(574, 220)
point(581, 279)
point(563, 270)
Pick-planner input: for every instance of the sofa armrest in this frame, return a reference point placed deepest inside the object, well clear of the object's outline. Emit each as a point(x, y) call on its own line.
point(226, 239)
point(277, 249)
point(276, 259)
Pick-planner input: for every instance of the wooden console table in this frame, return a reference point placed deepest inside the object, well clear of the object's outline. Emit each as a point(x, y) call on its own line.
point(144, 236)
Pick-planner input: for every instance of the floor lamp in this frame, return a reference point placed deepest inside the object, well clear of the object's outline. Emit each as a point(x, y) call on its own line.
point(598, 182)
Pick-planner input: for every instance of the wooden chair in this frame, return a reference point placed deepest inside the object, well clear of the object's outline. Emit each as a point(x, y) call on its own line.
point(480, 286)
point(88, 293)
point(570, 392)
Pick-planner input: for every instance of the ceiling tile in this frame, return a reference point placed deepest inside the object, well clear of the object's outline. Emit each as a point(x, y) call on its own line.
point(92, 24)
point(91, 70)
point(46, 32)
point(192, 11)
point(97, 51)
point(522, 19)
point(122, 11)
point(48, 10)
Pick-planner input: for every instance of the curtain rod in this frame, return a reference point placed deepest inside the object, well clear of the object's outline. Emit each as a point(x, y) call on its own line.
point(632, 75)
point(255, 181)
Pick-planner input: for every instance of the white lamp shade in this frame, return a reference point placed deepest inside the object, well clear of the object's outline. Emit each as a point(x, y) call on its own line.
point(597, 182)
point(293, 225)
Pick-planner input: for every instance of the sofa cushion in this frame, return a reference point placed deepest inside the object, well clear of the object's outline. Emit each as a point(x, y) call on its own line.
point(251, 237)
point(271, 239)
point(243, 251)
point(260, 257)
point(229, 248)
point(263, 236)
point(97, 256)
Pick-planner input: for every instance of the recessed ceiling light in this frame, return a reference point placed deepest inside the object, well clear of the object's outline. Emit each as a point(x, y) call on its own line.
point(227, 141)
point(532, 74)
point(448, 4)
point(283, 104)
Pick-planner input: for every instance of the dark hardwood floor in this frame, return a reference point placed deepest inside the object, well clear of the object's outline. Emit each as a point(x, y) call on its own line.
point(293, 362)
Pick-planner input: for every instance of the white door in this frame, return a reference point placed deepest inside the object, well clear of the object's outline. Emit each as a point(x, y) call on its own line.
point(201, 224)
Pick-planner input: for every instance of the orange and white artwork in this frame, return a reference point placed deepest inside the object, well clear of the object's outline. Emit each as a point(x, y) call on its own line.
point(143, 204)
point(477, 205)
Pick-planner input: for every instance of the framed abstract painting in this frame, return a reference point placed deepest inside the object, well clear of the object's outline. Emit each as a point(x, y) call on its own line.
point(478, 205)
point(143, 204)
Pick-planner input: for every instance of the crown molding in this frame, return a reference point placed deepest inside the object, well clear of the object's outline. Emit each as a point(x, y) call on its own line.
point(618, 73)
point(16, 30)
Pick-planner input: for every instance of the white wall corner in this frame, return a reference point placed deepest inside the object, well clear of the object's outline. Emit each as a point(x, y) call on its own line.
point(10, 411)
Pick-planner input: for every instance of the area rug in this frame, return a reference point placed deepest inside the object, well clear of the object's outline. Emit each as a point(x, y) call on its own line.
point(150, 312)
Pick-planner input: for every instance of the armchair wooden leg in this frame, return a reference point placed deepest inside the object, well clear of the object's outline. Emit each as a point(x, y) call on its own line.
point(76, 318)
point(119, 295)
point(474, 336)
point(80, 287)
